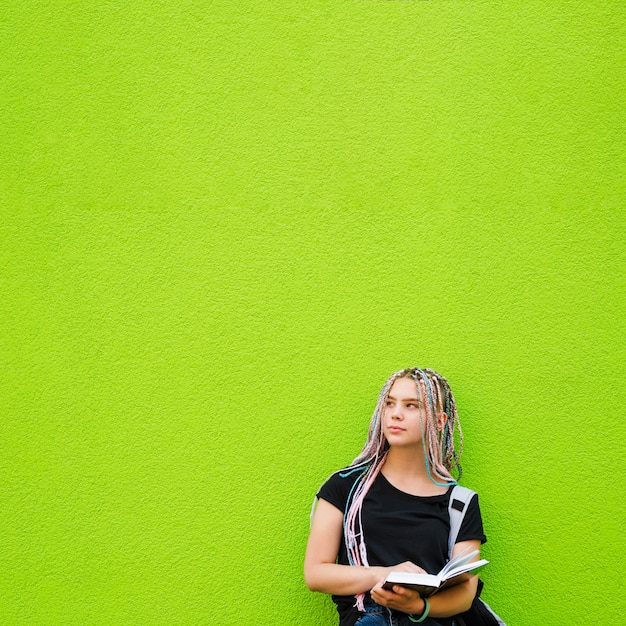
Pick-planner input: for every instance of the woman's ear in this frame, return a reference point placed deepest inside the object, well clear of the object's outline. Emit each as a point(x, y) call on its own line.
point(442, 418)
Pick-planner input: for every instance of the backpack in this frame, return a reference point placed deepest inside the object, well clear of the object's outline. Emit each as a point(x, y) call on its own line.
point(480, 613)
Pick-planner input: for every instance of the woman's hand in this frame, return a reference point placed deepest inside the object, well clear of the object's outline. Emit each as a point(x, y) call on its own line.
point(398, 598)
point(407, 566)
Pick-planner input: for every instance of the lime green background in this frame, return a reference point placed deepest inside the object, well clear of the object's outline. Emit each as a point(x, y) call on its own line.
point(225, 224)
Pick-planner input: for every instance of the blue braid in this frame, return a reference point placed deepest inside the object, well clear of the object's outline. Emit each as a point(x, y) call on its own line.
point(357, 482)
point(432, 408)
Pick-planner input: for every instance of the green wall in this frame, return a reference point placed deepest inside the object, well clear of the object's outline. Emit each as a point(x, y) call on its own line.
point(223, 225)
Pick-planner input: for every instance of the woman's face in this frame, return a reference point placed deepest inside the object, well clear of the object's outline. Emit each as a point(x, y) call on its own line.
point(403, 414)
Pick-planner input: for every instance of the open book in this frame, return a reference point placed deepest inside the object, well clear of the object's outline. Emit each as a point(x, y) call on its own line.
point(454, 571)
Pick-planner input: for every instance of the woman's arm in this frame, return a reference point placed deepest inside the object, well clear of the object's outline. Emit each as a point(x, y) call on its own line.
point(445, 603)
point(323, 573)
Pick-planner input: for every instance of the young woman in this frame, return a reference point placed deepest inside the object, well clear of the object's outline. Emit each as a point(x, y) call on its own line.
point(389, 511)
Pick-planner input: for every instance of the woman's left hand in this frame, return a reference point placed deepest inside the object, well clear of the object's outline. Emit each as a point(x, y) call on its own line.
point(398, 598)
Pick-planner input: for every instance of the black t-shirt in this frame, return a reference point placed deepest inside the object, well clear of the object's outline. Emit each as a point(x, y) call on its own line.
point(398, 527)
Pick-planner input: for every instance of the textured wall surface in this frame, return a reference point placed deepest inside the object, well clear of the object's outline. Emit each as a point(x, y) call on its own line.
point(223, 225)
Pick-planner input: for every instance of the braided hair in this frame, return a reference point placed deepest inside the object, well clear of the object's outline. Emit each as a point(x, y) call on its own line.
point(441, 457)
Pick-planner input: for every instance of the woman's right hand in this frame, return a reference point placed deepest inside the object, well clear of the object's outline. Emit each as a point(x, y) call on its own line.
point(407, 566)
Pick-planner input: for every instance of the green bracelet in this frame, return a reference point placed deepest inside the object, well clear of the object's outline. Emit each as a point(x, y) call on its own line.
point(424, 614)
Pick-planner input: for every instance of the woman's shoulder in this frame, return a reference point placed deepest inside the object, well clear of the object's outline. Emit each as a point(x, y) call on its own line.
point(462, 497)
point(462, 491)
point(338, 486)
point(345, 477)
point(467, 502)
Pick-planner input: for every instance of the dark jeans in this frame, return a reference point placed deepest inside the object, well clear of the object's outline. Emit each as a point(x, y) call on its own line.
point(376, 615)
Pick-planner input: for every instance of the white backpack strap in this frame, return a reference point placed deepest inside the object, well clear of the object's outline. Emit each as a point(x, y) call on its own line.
point(459, 501)
point(313, 507)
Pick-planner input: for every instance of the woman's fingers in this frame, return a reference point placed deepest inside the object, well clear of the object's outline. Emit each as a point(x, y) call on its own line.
point(380, 595)
point(399, 598)
point(408, 566)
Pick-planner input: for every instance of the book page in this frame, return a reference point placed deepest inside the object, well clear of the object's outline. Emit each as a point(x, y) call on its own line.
point(459, 560)
point(462, 569)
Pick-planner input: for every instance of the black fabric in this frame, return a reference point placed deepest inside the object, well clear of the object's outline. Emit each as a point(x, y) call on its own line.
point(478, 615)
point(399, 527)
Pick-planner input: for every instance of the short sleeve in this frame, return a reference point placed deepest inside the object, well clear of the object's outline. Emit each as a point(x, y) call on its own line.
point(337, 488)
point(472, 526)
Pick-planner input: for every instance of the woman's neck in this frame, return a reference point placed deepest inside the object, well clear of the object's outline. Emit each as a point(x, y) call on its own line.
point(405, 469)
